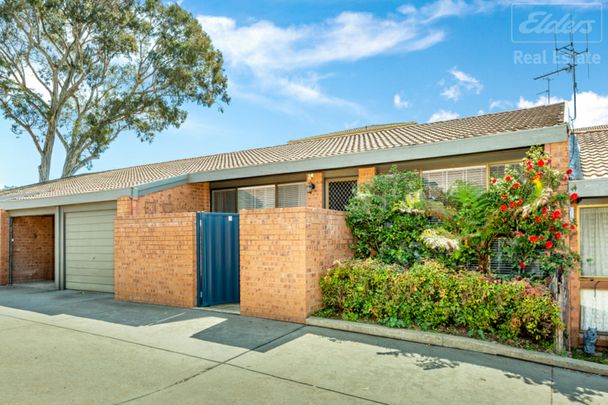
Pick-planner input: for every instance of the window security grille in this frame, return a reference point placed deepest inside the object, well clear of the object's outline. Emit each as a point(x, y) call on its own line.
point(339, 193)
point(224, 201)
point(250, 198)
point(447, 178)
point(291, 195)
point(499, 263)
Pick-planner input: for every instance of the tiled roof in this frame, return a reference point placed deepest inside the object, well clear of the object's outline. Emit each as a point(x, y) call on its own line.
point(593, 146)
point(361, 140)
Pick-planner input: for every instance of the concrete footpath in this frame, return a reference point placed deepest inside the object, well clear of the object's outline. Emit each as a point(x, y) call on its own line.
point(70, 347)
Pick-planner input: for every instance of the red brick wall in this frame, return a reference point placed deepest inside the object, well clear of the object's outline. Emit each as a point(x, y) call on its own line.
point(4, 247)
point(284, 252)
point(155, 259)
point(191, 197)
point(33, 249)
point(315, 198)
point(366, 174)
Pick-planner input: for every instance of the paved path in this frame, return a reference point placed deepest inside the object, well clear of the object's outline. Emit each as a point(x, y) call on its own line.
point(70, 347)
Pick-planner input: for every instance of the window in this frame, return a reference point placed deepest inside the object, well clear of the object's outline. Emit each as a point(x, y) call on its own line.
point(499, 264)
point(594, 240)
point(339, 193)
point(498, 171)
point(250, 198)
point(223, 200)
point(447, 178)
point(291, 195)
point(593, 309)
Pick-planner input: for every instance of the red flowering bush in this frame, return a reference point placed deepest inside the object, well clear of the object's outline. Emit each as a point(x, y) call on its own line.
point(533, 212)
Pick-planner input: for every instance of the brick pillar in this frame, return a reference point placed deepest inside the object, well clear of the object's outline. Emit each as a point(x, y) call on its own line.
point(124, 207)
point(315, 198)
point(4, 246)
point(366, 174)
point(204, 204)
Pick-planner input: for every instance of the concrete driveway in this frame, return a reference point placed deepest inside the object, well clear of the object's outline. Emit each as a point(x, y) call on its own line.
point(70, 347)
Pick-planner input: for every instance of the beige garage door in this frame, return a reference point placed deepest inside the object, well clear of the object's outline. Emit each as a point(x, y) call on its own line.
point(89, 250)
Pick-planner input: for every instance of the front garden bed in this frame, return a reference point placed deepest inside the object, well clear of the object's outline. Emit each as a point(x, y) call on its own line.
point(430, 297)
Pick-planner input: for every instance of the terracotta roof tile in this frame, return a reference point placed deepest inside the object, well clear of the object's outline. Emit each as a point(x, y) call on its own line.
point(593, 146)
point(359, 140)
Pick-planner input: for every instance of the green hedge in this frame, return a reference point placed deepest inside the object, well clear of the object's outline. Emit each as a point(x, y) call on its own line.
point(429, 296)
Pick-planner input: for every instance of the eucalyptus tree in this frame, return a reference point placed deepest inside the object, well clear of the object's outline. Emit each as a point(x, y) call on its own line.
point(84, 71)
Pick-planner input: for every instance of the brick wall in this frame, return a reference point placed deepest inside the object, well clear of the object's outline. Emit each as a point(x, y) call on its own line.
point(155, 259)
point(284, 252)
point(316, 197)
point(4, 247)
point(366, 174)
point(33, 248)
point(191, 197)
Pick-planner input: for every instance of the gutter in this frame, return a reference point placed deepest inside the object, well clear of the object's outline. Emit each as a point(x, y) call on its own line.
point(590, 187)
point(486, 143)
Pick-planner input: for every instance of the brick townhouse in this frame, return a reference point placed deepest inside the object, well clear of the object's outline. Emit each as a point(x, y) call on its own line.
point(135, 232)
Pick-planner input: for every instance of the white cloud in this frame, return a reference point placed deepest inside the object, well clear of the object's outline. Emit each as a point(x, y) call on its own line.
point(443, 115)
point(592, 108)
point(399, 102)
point(273, 59)
point(463, 82)
point(500, 104)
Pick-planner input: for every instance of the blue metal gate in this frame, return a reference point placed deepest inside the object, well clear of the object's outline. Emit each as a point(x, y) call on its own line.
point(218, 258)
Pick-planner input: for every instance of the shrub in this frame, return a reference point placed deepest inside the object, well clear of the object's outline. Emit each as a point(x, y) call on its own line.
point(430, 296)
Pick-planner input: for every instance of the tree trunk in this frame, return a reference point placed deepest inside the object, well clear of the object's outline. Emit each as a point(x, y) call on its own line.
point(560, 294)
point(44, 169)
point(483, 259)
point(71, 163)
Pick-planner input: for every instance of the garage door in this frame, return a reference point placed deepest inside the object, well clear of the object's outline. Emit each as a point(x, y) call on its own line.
point(89, 250)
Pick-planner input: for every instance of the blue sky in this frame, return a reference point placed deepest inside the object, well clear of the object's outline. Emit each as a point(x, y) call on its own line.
point(298, 68)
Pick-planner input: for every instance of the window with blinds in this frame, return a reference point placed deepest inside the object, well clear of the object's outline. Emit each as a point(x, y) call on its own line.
point(251, 198)
point(498, 171)
point(594, 240)
point(446, 178)
point(291, 195)
point(223, 200)
point(339, 193)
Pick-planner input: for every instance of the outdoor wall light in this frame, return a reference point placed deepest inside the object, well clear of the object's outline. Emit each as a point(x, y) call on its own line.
point(310, 187)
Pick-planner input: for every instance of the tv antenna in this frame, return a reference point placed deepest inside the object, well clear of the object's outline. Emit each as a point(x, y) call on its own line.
point(571, 55)
point(548, 91)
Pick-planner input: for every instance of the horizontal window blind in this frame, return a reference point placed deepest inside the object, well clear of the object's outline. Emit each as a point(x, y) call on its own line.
point(291, 195)
point(498, 171)
point(223, 200)
point(250, 198)
point(446, 178)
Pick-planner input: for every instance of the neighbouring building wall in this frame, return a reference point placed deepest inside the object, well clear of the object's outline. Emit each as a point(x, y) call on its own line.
point(191, 197)
point(33, 249)
point(155, 259)
point(4, 246)
point(284, 253)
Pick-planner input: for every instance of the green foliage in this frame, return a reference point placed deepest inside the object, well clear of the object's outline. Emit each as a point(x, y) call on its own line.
point(430, 296)
point(386, 217)
point(83, 71)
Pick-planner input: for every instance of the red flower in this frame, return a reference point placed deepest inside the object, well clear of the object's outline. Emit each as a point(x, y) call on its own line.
point(522, 265)
point(504, 197)
point(551, 228)
point(520, 202)
point(533, 239)
point(572, 227)
point(569, 172)
point(494, 181)
point(516, 185)
point(542, 238)
point(558, 235)
point(544, 210)
point(538, 220)
point(508, 178)
point(565, 225)
point(557, 213)
point(573, 196)
point(541, 163)
point(548, 245)
point(503, 207)
point(518, 233)
point(512, 204)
